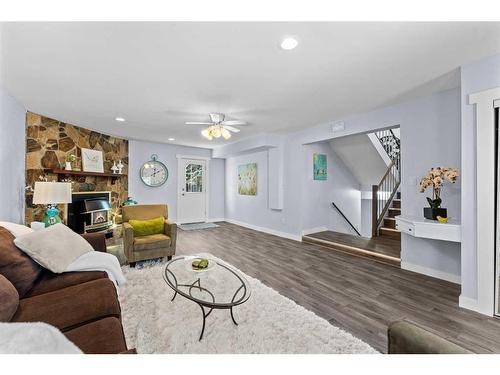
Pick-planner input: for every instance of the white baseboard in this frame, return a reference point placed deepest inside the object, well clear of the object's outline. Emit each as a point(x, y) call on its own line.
point(266, 230)
point(305, 232)
point(215, 220)
point(467, 303)
point(430, 272)
point(473, 304)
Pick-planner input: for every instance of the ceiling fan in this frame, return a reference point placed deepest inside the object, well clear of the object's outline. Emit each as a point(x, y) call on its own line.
point(218, 127)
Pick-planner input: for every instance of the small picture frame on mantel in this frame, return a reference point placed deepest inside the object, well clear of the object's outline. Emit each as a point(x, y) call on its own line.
point(92, 160)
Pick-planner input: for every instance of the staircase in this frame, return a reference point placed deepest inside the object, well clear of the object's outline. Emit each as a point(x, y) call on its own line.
point(386, 197)
point(388, 227)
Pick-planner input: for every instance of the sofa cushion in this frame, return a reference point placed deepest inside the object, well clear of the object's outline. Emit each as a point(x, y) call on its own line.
point(104, 336)
point(54, 247)
point(9, 300)
point(148, 227)
point(16, 266)
point(50, 281)
point(151, 242)
point(71, 307)
point(96, 240)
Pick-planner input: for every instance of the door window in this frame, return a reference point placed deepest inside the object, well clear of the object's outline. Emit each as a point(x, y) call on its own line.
point(194, 178)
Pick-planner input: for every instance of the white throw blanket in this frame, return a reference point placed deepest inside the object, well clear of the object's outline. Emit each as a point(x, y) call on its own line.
point(97, 261)
point(34, 338)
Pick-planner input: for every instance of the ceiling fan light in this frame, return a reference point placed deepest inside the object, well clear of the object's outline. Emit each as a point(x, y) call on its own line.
point(216, 132)
point(207, 134)
point(225, 133)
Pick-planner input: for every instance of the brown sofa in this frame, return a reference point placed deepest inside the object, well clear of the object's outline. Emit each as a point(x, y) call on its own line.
point(148, 247)
point(82, 305)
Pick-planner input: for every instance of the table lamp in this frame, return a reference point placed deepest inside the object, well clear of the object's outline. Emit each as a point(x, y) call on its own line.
point(52, 193)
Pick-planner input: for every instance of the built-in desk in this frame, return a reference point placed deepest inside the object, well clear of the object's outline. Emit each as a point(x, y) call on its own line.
point(420, 227)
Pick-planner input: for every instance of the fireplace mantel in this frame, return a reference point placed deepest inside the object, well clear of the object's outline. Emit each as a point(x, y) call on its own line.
point(64, 172)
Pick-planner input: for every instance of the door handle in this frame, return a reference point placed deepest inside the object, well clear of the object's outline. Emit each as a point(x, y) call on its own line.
point(182, 194)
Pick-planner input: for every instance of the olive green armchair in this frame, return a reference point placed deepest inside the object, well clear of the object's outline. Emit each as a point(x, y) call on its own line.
point(152, 246)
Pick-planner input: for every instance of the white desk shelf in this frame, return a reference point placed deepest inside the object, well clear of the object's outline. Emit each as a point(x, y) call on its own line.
point(424, 228)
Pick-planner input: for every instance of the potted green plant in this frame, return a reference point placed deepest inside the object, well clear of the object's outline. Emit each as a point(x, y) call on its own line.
point(69, 159)
point(435, 179)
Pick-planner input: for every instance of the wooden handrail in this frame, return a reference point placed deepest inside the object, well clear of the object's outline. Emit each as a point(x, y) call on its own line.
point(391, 164)
point(376, 217)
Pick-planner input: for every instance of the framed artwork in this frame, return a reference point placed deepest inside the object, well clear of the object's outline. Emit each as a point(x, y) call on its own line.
point(247, 179)
point(319, 167)
point(92, 160)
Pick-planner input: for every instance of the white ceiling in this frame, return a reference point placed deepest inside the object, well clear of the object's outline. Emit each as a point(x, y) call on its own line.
point(158, 75)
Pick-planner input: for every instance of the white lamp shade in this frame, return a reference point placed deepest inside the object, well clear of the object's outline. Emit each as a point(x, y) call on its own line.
point(52, 192)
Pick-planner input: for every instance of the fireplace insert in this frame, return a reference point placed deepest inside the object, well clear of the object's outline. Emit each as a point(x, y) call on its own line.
point(90, 212)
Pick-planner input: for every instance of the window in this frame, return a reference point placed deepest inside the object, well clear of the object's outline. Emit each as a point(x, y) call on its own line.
point(194, 178)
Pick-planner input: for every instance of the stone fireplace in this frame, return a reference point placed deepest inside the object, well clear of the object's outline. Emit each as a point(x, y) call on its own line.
point(49, 142)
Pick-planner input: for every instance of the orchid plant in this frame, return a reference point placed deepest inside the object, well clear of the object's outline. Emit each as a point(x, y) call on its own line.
point(435, 179)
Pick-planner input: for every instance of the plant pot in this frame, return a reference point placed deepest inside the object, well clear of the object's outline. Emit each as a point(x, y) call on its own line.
point(432, 213)
point(68, 166)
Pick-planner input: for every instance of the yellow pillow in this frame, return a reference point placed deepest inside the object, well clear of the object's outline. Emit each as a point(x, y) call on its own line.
point(147, 227)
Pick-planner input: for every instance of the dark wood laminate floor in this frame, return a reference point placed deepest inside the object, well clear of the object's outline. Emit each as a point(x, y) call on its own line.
point(356, 294)
point(382, 244)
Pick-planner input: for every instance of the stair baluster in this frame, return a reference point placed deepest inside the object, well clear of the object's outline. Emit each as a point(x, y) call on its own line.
point(385, 191)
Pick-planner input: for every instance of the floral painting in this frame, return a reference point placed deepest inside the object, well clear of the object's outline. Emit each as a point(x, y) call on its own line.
point(247, 179)
point(319, 167)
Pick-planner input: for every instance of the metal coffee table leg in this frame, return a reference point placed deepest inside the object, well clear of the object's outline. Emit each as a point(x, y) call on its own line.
point(204, 318)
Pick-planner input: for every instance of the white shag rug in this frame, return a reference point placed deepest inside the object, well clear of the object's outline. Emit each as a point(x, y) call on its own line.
point(268, 322)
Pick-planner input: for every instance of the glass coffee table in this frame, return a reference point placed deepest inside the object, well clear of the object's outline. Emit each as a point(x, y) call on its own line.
point(217, 287)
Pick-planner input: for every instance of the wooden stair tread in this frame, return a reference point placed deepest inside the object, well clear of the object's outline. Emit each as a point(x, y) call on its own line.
point(391, 229)
point(385, 250)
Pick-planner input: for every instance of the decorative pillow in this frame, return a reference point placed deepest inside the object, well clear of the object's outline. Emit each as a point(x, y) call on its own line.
point(16, 266)
point(9, 300)
point(16, 229)
point(54, 247)
point(148, 227)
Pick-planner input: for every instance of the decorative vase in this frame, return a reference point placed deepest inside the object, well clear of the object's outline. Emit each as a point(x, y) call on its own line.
point(52, 216)
point(120, 166)
point(114, 168)
point(129, 202)
point(432, 213)
point(68, 166)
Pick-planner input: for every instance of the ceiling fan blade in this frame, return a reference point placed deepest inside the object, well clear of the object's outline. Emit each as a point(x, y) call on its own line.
point(198, 123)
point(233, 122)
point(231, 129)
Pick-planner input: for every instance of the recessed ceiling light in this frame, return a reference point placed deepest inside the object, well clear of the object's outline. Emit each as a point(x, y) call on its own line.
point(171, 139)
point(120, 119)
point(289, 43)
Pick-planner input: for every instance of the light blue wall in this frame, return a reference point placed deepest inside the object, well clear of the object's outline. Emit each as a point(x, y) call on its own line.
point(475, 77)
point(340, 187)
point(140, 152)
point(12, 158)
point(430, 136)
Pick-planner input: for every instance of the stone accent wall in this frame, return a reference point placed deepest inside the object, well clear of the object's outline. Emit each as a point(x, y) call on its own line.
point(49, 141)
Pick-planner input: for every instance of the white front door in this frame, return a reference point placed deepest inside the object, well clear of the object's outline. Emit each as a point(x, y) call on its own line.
point(192, 191)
